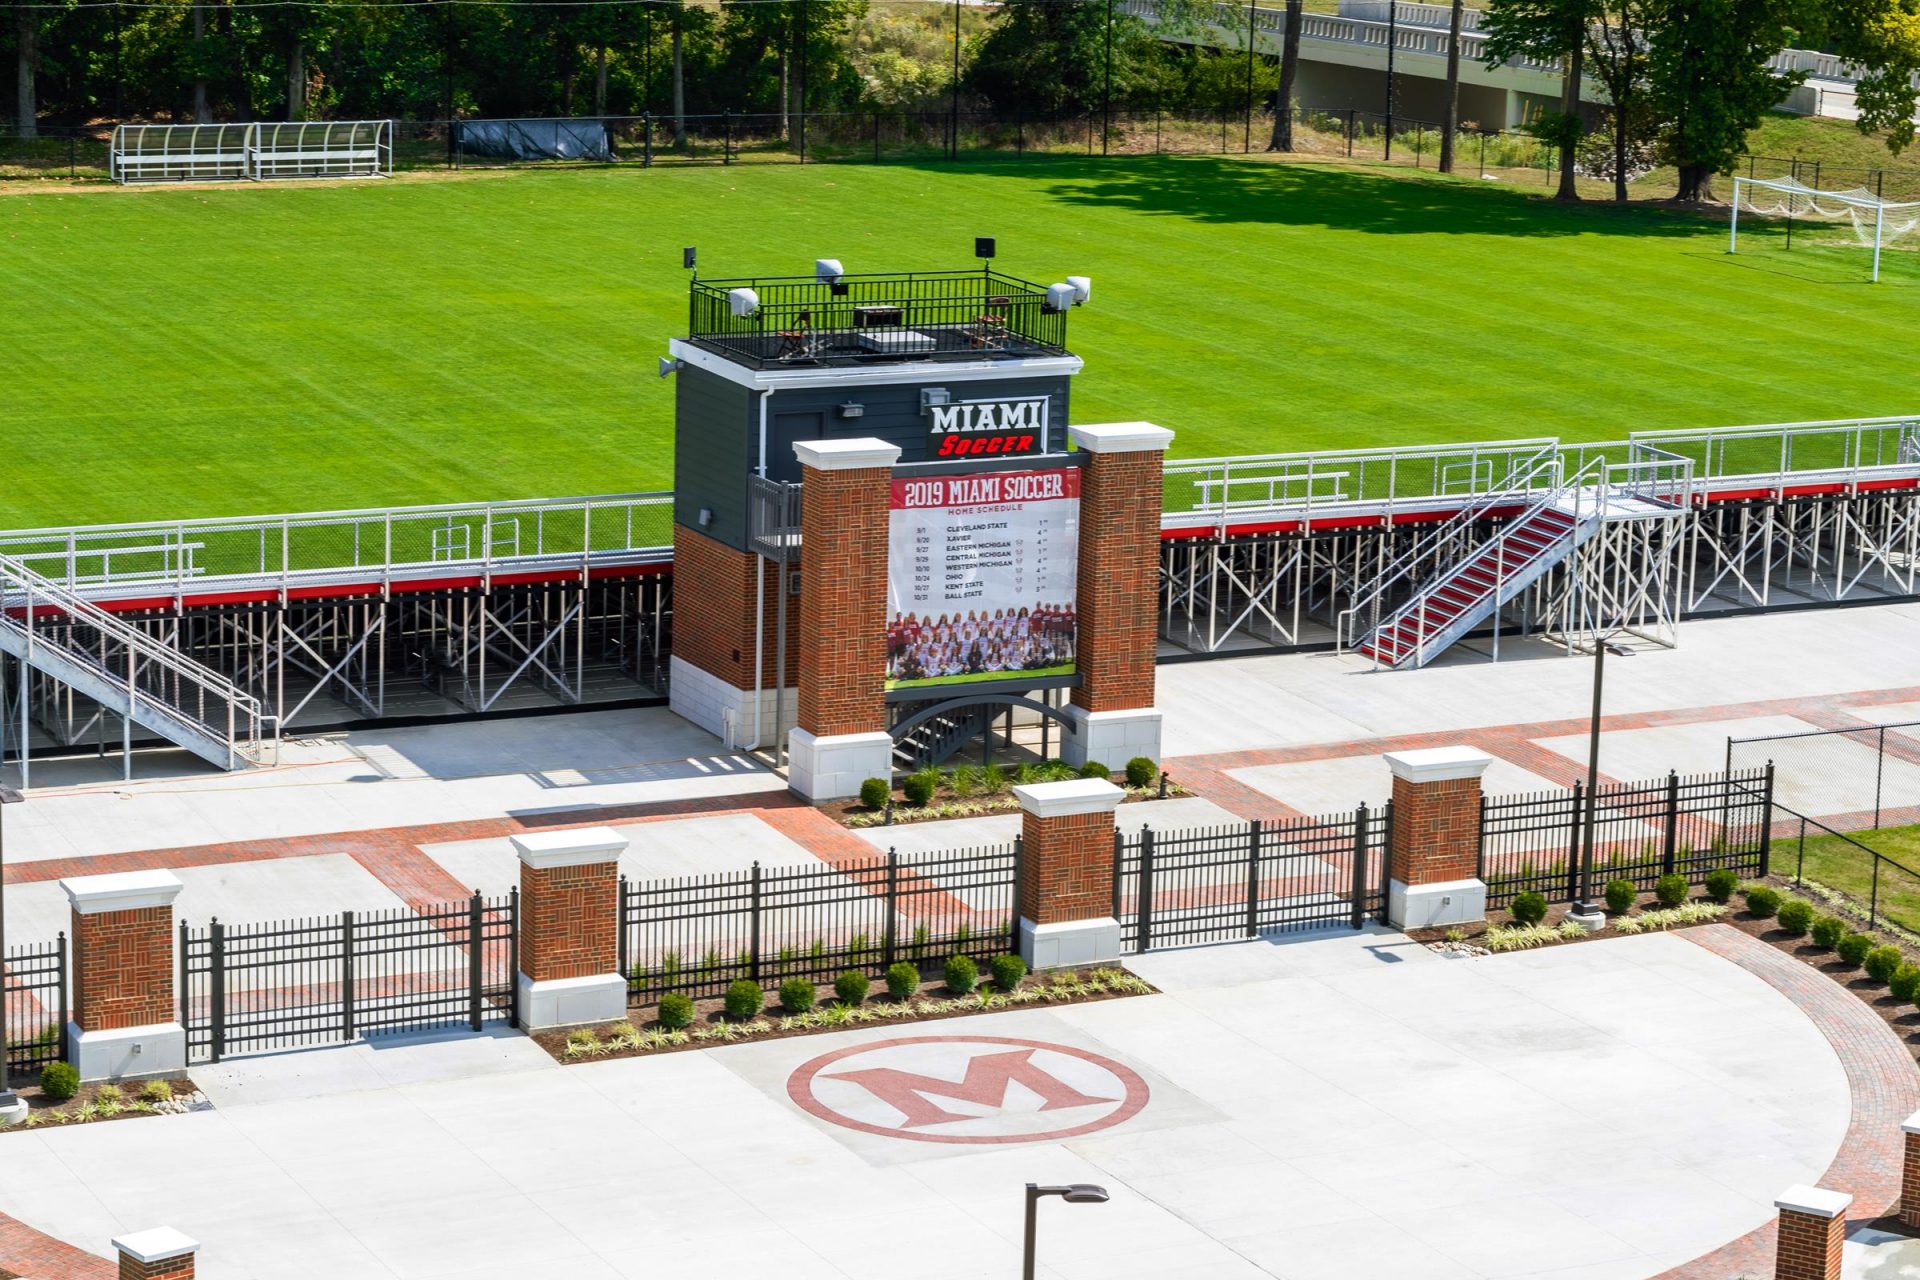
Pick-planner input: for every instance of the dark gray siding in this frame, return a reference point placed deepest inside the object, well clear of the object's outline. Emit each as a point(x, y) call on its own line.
point(715, 430)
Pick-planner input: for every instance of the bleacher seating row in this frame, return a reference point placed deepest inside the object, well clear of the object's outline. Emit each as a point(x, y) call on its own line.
point(251, 152)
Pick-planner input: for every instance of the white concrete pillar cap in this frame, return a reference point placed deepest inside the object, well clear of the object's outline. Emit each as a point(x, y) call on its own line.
point(1438, 764)
point(1815, 1202)
point(583, 848)
point(846, 455)
point(122, 891)
point(1911, 1124)
point(1120, 437)
point(156, 1245)
point(1062, 799)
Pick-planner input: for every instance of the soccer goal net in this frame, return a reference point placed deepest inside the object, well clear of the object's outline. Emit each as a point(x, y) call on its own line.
point(1872, 221)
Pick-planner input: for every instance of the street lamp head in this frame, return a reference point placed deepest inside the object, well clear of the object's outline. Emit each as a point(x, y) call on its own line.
point(1084, 1193)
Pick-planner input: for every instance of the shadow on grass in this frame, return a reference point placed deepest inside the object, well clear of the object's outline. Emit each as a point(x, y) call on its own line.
point(1213, 189)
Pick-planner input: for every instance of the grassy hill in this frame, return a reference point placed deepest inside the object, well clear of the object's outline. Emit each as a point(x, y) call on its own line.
point(250, 349)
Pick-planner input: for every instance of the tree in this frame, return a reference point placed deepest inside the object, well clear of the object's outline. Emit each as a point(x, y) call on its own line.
point(1709, 80)
point(1450, 111)
point(1044, 57)
point(26, 31)
point(1545, 29)
point(1617, 49)
point(1282, 139)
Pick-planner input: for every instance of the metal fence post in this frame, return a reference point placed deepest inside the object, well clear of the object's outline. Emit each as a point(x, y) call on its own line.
point(1766, 824)
point(217, 953)
point(1143, 905)
point(346, 975)
point(1350, 133)
point(1873, 901)
point(1879, 773)
point(476, 956)
point(1253, 878)
point(61, 946)
point(753, 944)
point(513, 956)
point(1119, 863)
point(1019, 866)
point(621, 949)
point(646, 140)
point(1673, 821)
point(726, 136)
point(889, 939)
point(1480, 841)
point(1573, 841)
point(1359, 888)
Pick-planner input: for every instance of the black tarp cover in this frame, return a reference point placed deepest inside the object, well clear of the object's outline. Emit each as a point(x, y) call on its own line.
point(536, 139)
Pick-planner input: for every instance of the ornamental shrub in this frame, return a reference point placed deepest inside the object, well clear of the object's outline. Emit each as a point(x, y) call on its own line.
point(676, 1011)
point(1007, 971)
point(1529, 907)
point(59, 1081)
point(1721, 883)
point(1094, 769)
point(963, 975)
point(920, 786)
point(1905, 982)
point(1620, 896)
point(744, 1000)
point(1763, 902)
point(1854, 947)
point(1796, 916)
point(875, 792)
point(796, 995)
point(1882, 963)
point(1827, 932)
point(902, 980)
point(852, 987)
point(1671, 890)
point(1142, 772)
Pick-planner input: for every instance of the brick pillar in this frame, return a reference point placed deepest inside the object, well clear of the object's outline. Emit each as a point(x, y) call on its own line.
point(150, 1255)
point(714, 671)
point(840, 734)
point(1066, 873)
point(1813, 1224)
point(1910, 1171)
point(1433, 855)
point(570, 928)
point(1112, 712)
point(125, 1020)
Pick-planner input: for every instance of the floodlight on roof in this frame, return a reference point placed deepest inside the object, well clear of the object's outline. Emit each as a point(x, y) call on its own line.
point(743, 302)
point(1082, 289)
point(1059, 297)
point(828, 270)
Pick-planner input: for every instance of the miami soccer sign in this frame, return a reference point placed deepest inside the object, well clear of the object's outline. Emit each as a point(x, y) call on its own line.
point(982, 575)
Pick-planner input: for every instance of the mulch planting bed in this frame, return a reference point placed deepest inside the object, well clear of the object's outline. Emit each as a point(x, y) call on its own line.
point(88, 1106)
point(932, 1003)
point(946, 806)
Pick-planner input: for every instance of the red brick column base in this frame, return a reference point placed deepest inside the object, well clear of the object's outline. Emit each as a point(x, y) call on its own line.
point(1813, 1225)
point(125, 1020)
point(1433, 852)
point(150, 1255)
point(1066, 873)
point(714, 668)
point(840, 738)
point(1910, 1171)
point(570, 928)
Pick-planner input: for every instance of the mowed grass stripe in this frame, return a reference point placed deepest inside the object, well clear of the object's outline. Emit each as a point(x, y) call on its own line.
point(255, 349)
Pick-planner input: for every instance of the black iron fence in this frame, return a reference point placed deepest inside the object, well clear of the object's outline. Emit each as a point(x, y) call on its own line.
point(1227, 883)
point(1852, 779)
point(1640, 831)
point(697, 934)
point(35, 1006)
point(326, 980)
point(1885, 888)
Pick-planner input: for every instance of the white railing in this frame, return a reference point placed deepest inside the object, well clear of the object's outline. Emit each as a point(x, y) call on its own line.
point(148, 679)
point(1846, 450)
point(277, 551)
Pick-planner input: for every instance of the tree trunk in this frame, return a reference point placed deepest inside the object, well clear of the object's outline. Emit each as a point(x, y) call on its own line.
point(1570, 108)
point(1282, 139)
point(600, 80)
point(679, 83)
point(1693, 184)
point(297, 81)
point(786, 91)
point(1621, 128)
point(1450, 109)
point(200, 113)
point(26, 104)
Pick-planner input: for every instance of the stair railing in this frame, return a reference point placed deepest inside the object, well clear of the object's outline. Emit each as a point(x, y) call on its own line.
point(202, 701)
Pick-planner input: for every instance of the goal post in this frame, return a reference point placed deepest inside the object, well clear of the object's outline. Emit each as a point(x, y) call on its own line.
point(1874, 222)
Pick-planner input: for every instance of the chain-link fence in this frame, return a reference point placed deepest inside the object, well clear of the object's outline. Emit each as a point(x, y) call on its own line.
point(1853, 779)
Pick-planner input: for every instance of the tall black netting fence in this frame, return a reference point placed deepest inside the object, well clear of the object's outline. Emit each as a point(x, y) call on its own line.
point(1850, 779)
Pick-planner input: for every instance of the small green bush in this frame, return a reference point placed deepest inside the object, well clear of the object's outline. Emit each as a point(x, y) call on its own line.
point(1763, 902)
point(1720, 885)
point(745, 1000)
point(919, 787)
point(1796, 916)
point(875, 792)
point(1854, 947)
point(796, 995)
point(902, 980)
point(59, 1081)
point(676, 1011)
point(1905, 982)
point(968, 780)
point(963, 975)
point(1621, 896)
point(1827, 932)
point(1882, 963)
point(154, 1092)
point(852, 987)
point(1671, 890)
point(1094, 769)
point(1007, 971)
point(1142, 772)
point(1529, 907)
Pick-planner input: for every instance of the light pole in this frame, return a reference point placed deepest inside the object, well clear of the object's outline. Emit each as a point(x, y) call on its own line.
point(1074, 1193)
point(9, 1104)
point(1583, 901)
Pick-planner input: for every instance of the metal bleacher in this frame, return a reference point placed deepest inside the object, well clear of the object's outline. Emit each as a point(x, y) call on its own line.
point(251, 152)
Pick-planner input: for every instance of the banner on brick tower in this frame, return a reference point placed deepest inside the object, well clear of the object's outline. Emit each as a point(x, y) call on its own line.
point(982, 571)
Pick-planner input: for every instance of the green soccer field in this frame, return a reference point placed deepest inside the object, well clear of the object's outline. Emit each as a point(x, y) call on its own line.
point(257, 349)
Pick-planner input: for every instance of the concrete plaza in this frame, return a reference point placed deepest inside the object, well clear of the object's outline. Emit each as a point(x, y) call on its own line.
point(1334, 1106)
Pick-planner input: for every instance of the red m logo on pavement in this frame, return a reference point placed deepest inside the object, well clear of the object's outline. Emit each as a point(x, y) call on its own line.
point(985, 1084)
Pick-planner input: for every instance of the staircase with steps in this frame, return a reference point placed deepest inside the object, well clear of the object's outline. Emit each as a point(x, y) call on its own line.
point(128, 672)
point(936, 741)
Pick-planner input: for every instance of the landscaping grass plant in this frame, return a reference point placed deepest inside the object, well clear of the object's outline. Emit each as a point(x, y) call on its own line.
point(240, 349)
